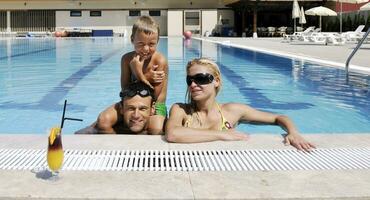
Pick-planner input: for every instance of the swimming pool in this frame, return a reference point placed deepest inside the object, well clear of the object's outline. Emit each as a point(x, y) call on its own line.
point(36, 75)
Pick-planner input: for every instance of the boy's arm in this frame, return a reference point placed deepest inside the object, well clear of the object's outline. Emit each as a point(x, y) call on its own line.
point(157, 121)
point(163, 66)
point(125, 71)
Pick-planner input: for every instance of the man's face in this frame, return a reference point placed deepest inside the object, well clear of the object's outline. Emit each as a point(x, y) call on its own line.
point(136, 112)
point(145, 44)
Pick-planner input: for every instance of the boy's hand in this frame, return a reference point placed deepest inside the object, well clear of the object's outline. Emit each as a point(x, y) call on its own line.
point(136, 66)
point(155, 76)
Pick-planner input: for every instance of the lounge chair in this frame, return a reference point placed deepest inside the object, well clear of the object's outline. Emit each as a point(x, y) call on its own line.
point(356, 35)
point(298, 35)
point(322, 38)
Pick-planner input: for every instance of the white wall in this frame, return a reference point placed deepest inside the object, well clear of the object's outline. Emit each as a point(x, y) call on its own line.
point(119, 21)
point(108, 4)
point(114, 20)
point(175, 22)
point(209, 21)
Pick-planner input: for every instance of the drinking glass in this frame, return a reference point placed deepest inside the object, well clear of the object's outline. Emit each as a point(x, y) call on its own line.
point(55, 153)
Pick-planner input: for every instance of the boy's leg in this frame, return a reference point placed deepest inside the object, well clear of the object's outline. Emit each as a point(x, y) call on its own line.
point(157, 121)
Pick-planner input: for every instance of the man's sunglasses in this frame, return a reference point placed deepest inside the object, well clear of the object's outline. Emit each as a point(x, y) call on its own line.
point(132, 93)
point(200, 79)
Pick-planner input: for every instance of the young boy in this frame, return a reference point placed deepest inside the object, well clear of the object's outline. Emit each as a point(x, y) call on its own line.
point(144, 64)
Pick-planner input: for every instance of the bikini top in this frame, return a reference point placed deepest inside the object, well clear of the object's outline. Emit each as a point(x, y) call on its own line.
point(225, 125)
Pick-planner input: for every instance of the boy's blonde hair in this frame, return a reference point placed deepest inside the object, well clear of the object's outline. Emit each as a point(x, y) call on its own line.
point(211, 66)
point(145, 24)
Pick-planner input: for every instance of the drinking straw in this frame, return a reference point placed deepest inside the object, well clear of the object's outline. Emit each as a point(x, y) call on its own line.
point(67, 118)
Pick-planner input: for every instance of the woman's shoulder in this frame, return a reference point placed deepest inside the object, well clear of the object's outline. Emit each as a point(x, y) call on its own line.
point(233, 106)
point(181, 107)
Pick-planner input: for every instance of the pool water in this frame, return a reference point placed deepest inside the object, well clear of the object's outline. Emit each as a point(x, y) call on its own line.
point(37, 75)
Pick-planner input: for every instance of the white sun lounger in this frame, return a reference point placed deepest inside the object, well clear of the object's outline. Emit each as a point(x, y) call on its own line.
point(297, 35)
point(354, 36)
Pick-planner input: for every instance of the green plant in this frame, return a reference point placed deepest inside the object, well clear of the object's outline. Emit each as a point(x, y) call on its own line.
point(368, 21)
point(355, 22)
point(348, 25)
point(361, 20)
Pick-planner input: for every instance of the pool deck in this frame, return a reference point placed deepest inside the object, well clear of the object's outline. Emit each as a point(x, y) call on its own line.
point(300, 184)
point(333, 55)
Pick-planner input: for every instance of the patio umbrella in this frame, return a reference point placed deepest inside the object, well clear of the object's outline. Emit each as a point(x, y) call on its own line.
point(365, 7)
point(341, 9)
point(302, 17)
point(295, 12)
point(320, 11)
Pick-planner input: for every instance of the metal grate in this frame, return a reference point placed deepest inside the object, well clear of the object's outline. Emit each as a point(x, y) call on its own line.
point(177, 160)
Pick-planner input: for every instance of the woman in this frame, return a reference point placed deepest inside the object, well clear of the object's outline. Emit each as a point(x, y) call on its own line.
point(202, 119)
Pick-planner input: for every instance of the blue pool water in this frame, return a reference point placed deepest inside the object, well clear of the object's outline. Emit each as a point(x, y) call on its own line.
point(36, 75)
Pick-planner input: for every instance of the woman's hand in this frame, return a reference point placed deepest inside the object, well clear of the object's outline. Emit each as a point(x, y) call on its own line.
point(298, 142)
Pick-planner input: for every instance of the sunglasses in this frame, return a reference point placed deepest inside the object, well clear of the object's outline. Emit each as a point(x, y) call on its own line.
point(200, 79)
point(132, 93)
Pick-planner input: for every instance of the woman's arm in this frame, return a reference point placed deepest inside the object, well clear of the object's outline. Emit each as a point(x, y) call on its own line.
point(249, 114)
point(175, 132)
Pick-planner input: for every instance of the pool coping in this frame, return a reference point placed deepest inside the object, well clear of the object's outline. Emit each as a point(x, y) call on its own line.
point(340, 65)
point(310, 184)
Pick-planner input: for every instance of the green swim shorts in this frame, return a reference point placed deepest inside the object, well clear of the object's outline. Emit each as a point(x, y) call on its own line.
point(161, 109)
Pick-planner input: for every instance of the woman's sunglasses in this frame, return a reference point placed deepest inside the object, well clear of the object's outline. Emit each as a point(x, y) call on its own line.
point(200, 79)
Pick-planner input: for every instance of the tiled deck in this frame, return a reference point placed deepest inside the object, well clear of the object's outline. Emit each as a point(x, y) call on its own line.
point(311, 184)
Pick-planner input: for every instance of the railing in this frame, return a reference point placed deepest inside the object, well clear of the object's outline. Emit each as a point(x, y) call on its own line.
point(33, 20)
point(355, 50)
point(2, 21)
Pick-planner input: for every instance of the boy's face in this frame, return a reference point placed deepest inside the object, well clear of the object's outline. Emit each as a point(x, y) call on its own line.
point(145, 44)
point(136, 111)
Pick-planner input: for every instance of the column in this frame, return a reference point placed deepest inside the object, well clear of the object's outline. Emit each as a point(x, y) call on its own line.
point(8, 29)
point(255, 22)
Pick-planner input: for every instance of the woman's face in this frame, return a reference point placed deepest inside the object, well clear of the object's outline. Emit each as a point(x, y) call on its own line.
point(205, 86)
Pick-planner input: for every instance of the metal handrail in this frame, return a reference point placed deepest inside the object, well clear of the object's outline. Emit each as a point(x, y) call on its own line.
point(355, 50)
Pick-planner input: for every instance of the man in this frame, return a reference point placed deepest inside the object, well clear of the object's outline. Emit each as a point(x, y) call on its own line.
point(136, 107)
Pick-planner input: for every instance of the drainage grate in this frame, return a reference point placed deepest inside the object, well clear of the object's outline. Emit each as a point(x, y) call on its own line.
point(177, 160)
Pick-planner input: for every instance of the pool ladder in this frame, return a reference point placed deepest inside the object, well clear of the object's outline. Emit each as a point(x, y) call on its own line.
point(355, 50)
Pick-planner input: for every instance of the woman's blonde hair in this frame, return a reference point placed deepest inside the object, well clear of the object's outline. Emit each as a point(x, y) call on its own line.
point(211, 66)
point(145, 24)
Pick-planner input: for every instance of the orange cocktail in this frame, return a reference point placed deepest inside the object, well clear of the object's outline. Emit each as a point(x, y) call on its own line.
point(55, 153)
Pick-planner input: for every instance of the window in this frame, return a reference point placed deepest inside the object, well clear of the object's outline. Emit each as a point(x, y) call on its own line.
point(154, 13)
point(95, 13)
point(192, 18)
point(134, 13)
point(75, 13)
